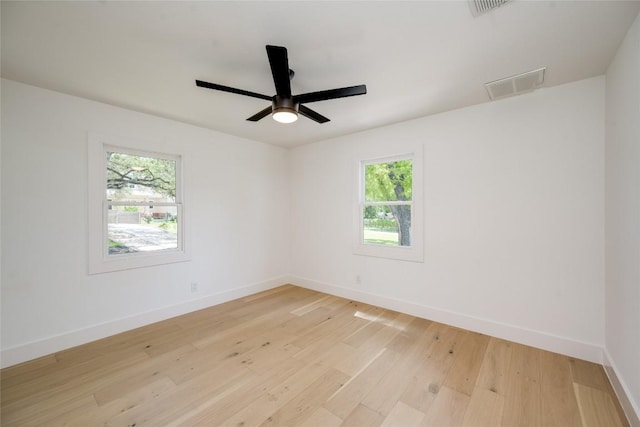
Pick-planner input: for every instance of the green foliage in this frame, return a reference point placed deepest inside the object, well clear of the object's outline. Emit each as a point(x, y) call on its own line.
point(170, 226)
point(390, 181)
point(131, 208)
point(370, 212)
point(125, 170)
point(381, 224)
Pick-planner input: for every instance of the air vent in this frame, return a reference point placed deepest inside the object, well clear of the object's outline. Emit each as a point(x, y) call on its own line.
point(480, 7)
point(515, 85)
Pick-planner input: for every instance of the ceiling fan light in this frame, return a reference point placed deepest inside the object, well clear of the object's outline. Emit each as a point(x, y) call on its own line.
point(285, 110)
point(285, 115)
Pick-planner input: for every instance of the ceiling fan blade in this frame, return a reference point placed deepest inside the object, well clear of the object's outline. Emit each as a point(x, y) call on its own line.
point(310, 114)
point(208, 85)
point(260, 115)
point(279, 63)
point(324, 95)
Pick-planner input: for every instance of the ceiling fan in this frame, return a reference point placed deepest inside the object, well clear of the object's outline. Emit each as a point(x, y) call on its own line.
point(285, 107)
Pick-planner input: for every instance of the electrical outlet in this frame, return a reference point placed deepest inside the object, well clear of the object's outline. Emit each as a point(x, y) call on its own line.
point(194, 287)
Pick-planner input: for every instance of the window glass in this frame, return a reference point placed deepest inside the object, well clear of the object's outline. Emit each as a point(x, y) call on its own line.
point(389, 181)
point(142, 178)
point(142, 213)
point(146, 228)
point(388, 193)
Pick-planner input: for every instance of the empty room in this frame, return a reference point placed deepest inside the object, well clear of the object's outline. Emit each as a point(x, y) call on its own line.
point(320, 213)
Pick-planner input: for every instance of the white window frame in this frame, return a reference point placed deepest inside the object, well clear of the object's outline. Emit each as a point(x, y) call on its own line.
point(415, 252)
point(98, 205)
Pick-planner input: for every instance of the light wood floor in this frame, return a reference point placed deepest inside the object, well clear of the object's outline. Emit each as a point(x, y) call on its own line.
point(291, 356)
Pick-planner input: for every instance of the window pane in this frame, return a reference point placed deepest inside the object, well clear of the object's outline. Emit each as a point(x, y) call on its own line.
point(139, 178)
point(390, 181)
point(142, 229)
point(387, 225)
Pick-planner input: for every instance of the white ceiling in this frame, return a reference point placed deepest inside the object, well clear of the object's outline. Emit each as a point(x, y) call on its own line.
point(416, 58)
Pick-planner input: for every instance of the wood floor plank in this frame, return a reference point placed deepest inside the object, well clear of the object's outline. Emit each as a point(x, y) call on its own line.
point(141, 397)
point(185, 399)
point(67, 385)
point(298, 409)
point(278, 375)
point(221, 411)
point(597, 408)
point(186, 415)
point(50, 411)
point(253, 325)
point(593, 375)
point(522, 406)
point(385, 396)
point(340, 320)
point(329, 356)
point(299, 325)
point(423, 387)
point(268, 354)
point(319, 302)
point(28, 370)
point(268, 293)
point(194, 364)
point(406, 339)
point(368, 329)
point(484, 409)
point(403, 415)
point(495, 366)
point(375, 342)
point(448, 408)
point(352, 393)
point(322, 418)
point(294, 356)
point(327, 341)
point(468, 358)
point(363, 416)
point(276, 397)
point(558, 401)
point(136, 376)
point(136, 340)
point(589, 374)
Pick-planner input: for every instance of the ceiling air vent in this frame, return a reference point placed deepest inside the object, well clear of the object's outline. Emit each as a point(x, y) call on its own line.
point(480, 7)
point(515, 85)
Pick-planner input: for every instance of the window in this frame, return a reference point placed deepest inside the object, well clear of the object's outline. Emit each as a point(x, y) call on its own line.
point(136, 211)
point(386, 213)
point(142, 202)
point(389, 208)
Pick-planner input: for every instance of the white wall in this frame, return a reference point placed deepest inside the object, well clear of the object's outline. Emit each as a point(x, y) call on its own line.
point(514, 214)
point(623, 216)
point(513, 221)
point(236, 199)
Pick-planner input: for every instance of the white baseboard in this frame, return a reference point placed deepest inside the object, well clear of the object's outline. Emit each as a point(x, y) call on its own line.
point(542, 340)
point(631, 408)
point(32, 350)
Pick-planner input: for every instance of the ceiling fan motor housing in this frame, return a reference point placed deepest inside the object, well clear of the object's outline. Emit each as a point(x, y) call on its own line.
point(284, 109)
point(284, 104)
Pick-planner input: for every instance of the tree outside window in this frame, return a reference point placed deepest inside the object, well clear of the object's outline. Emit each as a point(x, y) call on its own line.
point(141, 202)
point(388, 202)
